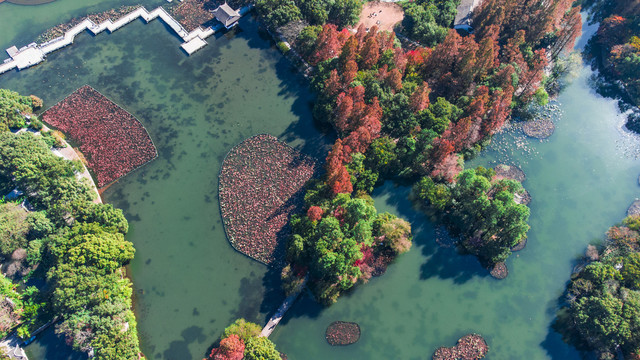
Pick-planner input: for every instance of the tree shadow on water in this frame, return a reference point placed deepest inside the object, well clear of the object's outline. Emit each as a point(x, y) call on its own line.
point(179, 349)
point(55, 347)
point(443, 262)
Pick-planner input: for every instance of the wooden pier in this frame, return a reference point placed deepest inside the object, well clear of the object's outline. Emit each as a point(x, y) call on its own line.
point(33, 53)
point(275, 319)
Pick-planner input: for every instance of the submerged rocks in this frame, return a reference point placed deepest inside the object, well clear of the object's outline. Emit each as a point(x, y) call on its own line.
point(342, 333)
point(522, 198)
point(513, 172)
point(509, 172)
point(519, 246)
point(634, 209)
point(539, 128)
point(500, 271)
point(469, 347)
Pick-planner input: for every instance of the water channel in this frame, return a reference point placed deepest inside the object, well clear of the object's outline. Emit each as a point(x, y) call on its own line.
point(189, 282)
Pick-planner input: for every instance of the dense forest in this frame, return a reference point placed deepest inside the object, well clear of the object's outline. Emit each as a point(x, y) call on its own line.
point(342, 13)
point(602, 302)
point(52, 230)
point(616, 50)
point(415, 116)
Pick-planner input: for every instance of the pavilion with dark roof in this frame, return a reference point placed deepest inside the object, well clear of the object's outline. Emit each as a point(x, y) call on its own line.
point(226, 15)
point(464, 15)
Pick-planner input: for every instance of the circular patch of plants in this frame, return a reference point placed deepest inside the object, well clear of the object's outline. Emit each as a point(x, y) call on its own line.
point(500, 271)
point(341, 333)
point(469, 347)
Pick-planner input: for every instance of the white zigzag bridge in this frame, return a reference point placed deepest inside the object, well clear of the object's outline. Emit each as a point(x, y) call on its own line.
point(33, 53)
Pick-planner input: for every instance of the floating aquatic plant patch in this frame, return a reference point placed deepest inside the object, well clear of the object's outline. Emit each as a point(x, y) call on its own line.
point(469, 347)
point(261, 186)
point(342, 333)
point(112, 140)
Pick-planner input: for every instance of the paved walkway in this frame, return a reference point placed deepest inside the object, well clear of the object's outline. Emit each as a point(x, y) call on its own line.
point(33, 53)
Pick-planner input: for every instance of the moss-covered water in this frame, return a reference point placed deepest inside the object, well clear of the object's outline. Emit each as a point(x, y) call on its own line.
point(190, 283)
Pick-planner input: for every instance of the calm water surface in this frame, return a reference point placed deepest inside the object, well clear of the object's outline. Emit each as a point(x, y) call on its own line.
point(190, 284)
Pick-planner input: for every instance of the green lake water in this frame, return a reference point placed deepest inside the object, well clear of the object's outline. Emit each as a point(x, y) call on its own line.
point(189, 282)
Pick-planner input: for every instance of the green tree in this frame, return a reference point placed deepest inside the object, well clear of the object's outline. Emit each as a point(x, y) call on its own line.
point(600, 321)
point(345, 12)
point(109, 218)
point(260, 348)
point(245, 330)
point(316, 11)
point(14, 228)
point(306, 40)
point(278, 12)
point(12, 105)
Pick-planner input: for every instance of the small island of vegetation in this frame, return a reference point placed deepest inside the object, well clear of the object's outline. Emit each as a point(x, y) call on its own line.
point(480, 210)
point(615, 49)
point(414, 114)
point(469, 347)
point(242, 341)
point(602, 302)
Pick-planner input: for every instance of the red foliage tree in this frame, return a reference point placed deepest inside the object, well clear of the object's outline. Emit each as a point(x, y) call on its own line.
point(349, 51)
point(370, 53)
point(420, 98)
point(327, 45)
point(231, 348)
point(570, 29)
point(487, 56)
point(400, 60)
point(349, 72)
point(332, 85)
point(314, 213)
point(499, 111)
point(532, 78)
point(441, 149)
point(340, 181)
point(511, 53)
point(394, 80)
point(344, 108)
point(466, 65)
point(337, 156)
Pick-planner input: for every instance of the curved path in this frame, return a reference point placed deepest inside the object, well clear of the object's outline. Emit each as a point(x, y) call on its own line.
point(33, 53)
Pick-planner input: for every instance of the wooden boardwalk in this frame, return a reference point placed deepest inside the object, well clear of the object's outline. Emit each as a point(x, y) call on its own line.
point(33, 53)
point(275, 319)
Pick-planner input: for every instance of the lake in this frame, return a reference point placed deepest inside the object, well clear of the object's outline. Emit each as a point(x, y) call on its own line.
point(190, 283)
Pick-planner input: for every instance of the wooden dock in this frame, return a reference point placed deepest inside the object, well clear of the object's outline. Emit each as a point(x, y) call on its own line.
point(33, 53)
point(275, 319)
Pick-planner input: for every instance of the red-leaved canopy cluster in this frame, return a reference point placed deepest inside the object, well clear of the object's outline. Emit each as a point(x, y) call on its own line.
point(112, 140)
point(261, 185)
point(492, 68)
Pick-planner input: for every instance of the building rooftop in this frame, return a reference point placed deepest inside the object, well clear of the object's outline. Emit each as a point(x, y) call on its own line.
point(226, 15)
point(465, 12)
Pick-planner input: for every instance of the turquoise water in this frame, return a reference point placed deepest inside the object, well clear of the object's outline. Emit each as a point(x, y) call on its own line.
point(190, 283)
point(581, 179)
